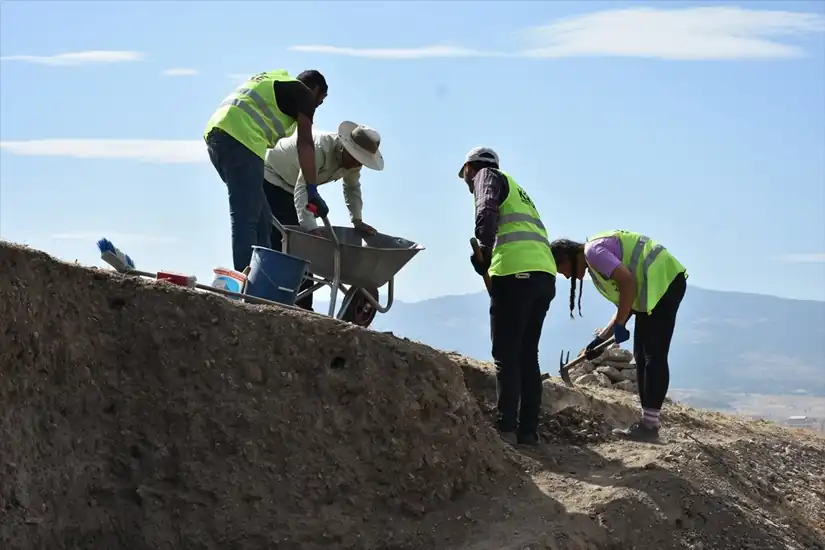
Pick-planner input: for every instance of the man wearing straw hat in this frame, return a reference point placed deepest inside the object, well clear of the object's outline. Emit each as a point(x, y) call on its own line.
point(338, 155)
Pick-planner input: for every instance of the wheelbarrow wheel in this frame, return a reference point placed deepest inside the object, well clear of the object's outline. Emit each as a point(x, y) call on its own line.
point(359, 311)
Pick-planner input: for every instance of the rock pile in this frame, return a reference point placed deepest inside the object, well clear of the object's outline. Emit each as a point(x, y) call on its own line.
point(615, 368)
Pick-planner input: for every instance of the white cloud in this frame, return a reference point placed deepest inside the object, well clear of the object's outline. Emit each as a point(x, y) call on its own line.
point(79, 58)
point(118, 239)
point(684, 34)
point(713, 33)
point(143, 150)
point(395, 53)
point(814, 258)
point(181, 72)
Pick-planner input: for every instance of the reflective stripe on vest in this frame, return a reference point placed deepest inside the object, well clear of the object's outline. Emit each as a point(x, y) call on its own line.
point(633, 264)
point(260, 103)
point(521, 244)
point(520, 235)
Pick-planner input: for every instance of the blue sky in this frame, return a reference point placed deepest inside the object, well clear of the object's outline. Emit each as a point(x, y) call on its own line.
point(704, 129)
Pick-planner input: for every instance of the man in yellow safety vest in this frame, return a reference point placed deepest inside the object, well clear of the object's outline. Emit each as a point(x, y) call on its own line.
point(266, 108)
point(515, 253)
point(641, 278)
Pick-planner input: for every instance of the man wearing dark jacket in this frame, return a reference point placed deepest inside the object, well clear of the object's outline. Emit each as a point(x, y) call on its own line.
point(516, 255)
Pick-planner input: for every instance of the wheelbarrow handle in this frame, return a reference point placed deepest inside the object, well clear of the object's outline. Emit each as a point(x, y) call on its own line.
point(282, 230)
point(332, 234)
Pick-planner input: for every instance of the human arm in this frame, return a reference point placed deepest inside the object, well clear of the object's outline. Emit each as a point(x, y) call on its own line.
point(296, 101)
point(306, 152)
point(352, 195)
point(489, 191)
point(626, 282)
point(301, 193)
point(604, 256)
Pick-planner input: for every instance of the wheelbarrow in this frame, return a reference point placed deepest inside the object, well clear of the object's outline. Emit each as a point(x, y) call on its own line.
point(340, 260)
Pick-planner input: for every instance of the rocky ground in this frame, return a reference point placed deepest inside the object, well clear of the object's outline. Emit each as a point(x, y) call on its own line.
point(138, 415)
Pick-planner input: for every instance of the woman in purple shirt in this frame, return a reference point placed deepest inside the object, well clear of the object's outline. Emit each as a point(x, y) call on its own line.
point(654, 327)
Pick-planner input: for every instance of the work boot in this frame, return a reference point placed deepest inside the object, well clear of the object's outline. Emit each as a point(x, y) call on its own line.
point(639, 432)
point(528, 439)
point(508, 437)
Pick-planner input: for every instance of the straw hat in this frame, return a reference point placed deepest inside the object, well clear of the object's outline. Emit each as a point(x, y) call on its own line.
point(362, 143)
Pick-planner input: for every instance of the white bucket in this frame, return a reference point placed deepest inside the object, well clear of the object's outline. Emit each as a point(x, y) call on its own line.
point(228, 279)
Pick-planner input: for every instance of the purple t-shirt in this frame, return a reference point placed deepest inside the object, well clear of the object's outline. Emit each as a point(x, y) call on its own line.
point(604, 255)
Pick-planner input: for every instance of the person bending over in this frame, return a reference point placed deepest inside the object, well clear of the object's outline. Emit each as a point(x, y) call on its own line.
point(642, 278)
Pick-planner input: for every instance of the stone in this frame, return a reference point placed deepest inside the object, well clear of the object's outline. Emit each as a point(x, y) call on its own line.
point(611, 372)
point(587, 367)
point(603, 380)
point(617, 354)
point(626, 385)
point(629, 374)
point(601, 362)
point(587, 380)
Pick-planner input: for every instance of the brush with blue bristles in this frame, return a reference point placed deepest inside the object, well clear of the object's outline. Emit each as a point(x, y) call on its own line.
point(113, 256)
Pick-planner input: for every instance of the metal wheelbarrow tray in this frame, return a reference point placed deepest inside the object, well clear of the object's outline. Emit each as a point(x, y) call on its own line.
point(344, 259)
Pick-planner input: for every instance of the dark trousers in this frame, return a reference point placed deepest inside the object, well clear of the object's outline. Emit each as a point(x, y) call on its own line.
point(651, 345)
point(282, 205)
point(243, 173)
point(518, 305)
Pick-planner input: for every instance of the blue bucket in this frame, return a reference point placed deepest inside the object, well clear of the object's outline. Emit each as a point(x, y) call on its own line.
point(274, 275)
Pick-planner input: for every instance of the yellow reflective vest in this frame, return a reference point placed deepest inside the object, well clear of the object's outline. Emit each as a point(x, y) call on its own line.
point(521, 239)
point(652, 265)
point(251, 115)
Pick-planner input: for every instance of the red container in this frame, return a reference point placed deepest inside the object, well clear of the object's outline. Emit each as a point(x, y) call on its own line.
point(177, 278)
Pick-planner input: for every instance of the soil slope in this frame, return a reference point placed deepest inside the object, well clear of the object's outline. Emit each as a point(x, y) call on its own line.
point(138, 415)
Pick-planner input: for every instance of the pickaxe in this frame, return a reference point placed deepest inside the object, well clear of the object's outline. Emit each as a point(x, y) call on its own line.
point(564, 369)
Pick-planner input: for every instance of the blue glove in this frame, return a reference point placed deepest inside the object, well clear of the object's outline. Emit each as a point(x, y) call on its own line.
point(590, 352)
point(315, 203)
point(621, 333)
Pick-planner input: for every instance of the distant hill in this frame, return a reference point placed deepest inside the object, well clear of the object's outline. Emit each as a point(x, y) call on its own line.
point(728, 341)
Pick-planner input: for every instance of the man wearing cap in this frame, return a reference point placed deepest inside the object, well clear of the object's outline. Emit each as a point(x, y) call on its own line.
point(338, 155)
point(515, 253)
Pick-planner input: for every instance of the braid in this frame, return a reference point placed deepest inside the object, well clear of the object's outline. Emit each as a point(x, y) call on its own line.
point(573, 258)
point(580, 301)
point(569, 250)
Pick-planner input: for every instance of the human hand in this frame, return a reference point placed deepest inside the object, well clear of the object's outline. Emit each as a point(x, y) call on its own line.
point(364, 227)
point(315, 203)
point(481, 265)
point(621, 333)
point(590, 351)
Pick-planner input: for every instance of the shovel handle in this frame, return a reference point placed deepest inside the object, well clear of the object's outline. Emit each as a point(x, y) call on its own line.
point(477, 252)
point(600, 348)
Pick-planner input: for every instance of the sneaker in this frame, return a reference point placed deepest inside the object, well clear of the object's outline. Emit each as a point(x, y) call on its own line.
point(528, 439)
point(638, 432)
point(508, 437)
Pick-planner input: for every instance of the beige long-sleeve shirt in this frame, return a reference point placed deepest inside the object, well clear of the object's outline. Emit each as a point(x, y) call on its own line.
point(283, 169)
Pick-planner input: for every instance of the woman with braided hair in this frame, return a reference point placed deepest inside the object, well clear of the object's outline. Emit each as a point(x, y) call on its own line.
point(640, 277)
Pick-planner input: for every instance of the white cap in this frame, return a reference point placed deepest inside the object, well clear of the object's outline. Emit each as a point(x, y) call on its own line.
point(479, 153)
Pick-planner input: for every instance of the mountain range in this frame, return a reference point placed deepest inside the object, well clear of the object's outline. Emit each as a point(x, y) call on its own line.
point(724, 341)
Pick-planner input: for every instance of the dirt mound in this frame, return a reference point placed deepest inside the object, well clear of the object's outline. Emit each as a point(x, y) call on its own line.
point(137, 415)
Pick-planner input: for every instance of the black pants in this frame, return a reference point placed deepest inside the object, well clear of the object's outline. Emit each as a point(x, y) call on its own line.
point(518, 305)
point(651, 345)
point(282, 204)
